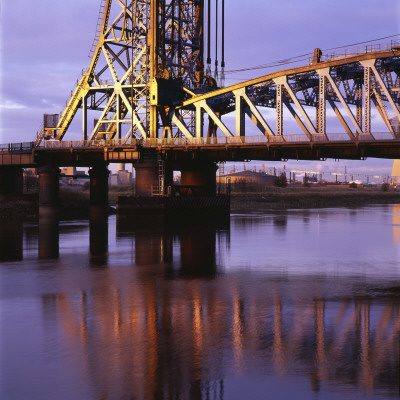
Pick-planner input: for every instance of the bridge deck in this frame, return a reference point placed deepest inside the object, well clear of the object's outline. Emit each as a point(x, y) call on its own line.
point(87, 153)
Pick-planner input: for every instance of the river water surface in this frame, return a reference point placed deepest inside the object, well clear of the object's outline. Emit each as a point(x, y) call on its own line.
point(297, 304)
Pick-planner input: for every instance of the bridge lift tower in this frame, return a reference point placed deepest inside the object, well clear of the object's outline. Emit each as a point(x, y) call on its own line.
point(146, 58)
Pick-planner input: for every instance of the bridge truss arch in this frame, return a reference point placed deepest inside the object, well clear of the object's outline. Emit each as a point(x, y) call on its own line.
point(352, 86)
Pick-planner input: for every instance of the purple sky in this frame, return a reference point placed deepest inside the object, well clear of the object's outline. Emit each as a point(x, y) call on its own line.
point(45, 45)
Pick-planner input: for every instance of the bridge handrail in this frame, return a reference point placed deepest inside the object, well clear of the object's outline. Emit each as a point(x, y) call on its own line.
point(259, 139)
point(59, 144)
point(351, 51)
point(21, 147)
point(26, 147)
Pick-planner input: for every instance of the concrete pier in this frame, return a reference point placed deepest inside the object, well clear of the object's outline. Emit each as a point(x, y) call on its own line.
point(99, 186)
point(48, 190)
point(198, 179)
point(148, 177)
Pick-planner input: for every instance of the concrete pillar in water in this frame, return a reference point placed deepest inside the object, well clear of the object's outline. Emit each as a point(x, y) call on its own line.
point(199, 178)
point(99, 186)
point(48, 190)
point(11, 180)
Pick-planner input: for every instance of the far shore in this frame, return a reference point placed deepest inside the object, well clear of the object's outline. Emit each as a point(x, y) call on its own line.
point(75, 203)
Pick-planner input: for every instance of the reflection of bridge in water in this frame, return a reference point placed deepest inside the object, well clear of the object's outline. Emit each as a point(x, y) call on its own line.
point(162, 334)
point(159, 335)
point(156, 104)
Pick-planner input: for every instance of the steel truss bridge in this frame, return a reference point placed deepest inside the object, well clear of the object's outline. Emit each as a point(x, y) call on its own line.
point(146, 80)
point(152, 94)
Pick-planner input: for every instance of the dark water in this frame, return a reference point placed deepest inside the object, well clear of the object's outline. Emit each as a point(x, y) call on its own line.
point(303, 304)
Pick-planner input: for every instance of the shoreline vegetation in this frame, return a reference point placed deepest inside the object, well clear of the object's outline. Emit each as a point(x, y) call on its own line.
point(75, 203)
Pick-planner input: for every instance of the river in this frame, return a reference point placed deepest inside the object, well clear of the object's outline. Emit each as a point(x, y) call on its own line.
point(295, 304)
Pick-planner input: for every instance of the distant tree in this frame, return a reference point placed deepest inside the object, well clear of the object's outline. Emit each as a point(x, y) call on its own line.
point(353, 185)
point(281, 180)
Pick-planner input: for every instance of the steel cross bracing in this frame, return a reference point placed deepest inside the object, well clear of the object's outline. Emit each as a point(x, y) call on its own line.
point(146, 81)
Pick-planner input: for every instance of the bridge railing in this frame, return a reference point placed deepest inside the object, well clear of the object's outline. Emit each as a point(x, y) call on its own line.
point(351, 51)
point(22, 147)
point(56, 144)
point(221, 140)
point(27, 147)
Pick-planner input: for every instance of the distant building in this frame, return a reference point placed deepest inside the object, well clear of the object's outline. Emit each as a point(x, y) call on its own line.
point(122, 177)
point(69, 176)
point(72, 172)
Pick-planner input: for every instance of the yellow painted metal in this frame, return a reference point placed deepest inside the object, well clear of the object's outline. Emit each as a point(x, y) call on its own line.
point(292, 71)
point(83, 85)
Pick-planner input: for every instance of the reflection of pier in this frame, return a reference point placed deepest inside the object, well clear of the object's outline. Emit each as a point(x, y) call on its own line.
point(158, 244)
point(179, 339)
point(160, 336)
point(11, 240)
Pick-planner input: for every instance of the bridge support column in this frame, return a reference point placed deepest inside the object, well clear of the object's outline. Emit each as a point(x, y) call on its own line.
point(48, 190)
point(99, 186)
point(11, 180)
point(199, 178)
point(148, 177)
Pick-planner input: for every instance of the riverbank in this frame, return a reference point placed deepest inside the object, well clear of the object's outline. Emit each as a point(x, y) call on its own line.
point(314, 197)
point(75, 203)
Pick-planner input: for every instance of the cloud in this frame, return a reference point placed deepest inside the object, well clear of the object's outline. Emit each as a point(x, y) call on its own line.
point(11, 105)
